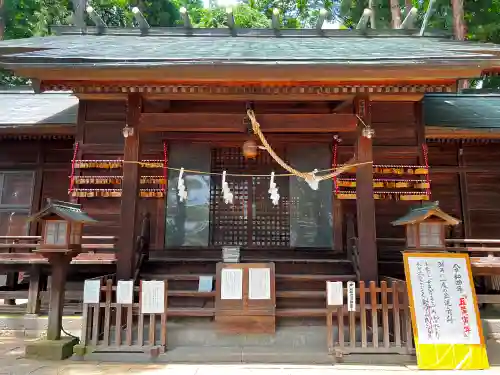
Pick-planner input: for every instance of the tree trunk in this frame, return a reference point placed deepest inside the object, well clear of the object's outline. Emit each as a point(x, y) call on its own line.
point(458, 19)
point(2, 19)
point(395, 14)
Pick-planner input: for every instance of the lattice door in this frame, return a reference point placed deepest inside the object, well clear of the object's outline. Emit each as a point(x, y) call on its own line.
point(252, 220)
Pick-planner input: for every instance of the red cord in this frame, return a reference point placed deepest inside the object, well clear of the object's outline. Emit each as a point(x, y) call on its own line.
point(165, 164)
point(425, 151)
point(335, 149)
point(72, 177)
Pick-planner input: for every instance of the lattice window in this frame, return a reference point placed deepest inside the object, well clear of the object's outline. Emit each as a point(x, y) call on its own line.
point(251, 220)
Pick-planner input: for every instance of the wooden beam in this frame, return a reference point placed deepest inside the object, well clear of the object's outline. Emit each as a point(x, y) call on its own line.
point(230, 18)
point(275, 21)
point(409, 21)
point(445, 132)
point(141, 20)
point(185, 18)
point(464, 193)
point(130, 191)
point(274, 123)
point(365, 204)
point(365, 18)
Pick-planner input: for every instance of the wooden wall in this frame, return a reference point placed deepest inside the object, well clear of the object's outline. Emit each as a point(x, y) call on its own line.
point(49, 158)
point(472, 196)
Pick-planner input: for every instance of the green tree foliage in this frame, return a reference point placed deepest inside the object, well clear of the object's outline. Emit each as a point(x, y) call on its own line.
point(244, 17)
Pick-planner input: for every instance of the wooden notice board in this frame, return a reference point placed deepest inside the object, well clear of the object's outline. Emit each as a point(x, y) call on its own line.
point(246, 298)
point(446, 324)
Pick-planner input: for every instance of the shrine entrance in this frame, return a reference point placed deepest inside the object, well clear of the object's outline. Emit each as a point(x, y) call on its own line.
point(252, 220)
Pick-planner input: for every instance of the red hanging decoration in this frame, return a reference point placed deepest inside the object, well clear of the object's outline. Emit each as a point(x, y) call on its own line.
point(72, 177)
point(334, 164)
point(425, 152)
point(165, 164)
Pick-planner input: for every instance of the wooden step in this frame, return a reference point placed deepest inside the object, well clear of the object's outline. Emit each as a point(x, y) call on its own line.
point(190, 293)
point(190, 311)
point(299, 312)
point(308, 294)
point(295, 260)
point(308, 277)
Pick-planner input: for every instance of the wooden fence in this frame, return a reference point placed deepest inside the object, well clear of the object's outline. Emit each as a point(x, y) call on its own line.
point(113, 327)
point(380, 324)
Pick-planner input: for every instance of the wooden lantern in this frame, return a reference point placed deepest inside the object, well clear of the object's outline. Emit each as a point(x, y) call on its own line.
point(426, 226)
point(62, 224)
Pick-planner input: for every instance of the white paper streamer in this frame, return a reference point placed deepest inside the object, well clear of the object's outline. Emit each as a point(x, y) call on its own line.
point(181, 187)
point(226, 192)
point(273, 191)
point(313, 181)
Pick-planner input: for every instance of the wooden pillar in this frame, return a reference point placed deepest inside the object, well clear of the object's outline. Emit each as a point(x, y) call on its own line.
point(464, 193)
point(59, 267)
point(130, 190)
point(34, 291)
point(367, 246)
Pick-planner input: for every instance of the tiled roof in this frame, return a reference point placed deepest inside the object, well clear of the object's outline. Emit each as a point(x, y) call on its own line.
point(468, 111)
point(66, 210)
point(134, 50)
point(420, 213)
point(27, 109)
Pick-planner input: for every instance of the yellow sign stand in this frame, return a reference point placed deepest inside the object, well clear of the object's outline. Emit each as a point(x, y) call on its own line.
point(445, 316)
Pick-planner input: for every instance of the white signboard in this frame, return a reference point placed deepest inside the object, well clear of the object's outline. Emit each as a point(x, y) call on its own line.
point(152, 297)
point(91, 291)
point(335, 293)
point(351, 296)
point(259, 283)
point(125, 292)
point(231, 286)
point(443, 301)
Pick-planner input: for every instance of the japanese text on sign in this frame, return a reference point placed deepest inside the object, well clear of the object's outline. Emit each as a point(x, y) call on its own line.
point(443, 301)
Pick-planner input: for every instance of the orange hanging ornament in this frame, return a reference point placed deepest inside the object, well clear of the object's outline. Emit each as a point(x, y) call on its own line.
point(250, 149)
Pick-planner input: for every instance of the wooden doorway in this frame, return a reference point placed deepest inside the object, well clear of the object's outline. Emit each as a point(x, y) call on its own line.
point(252, 220)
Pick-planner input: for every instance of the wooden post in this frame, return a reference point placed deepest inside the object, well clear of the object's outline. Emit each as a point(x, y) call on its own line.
point(130, 190)
point(59, 265)
point(464, 193)
point(34, 291)
point(367, 246)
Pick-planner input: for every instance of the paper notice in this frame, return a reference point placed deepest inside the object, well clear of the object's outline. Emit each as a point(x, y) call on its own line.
point(231, 283)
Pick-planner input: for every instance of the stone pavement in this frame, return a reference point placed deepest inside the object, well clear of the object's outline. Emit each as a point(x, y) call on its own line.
point(13, 363)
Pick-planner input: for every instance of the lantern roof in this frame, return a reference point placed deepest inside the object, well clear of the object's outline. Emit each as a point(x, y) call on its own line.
point(68, 211)
point(421, 213)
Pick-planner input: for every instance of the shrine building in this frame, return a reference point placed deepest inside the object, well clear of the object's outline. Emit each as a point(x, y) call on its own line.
point(117, 114)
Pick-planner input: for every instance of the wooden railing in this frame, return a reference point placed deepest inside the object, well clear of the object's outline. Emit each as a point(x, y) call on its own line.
point(380, 324)
point(97, 250)
point(111, 326)
point(19, 250)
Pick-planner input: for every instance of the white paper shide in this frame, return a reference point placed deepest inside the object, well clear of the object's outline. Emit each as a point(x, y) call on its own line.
point(335, 293)
point(443, 301)
point(351, 296)
point(259, 283)
point(152, 297)
point(91, 291)
point(125, 292)
point(231, 286)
